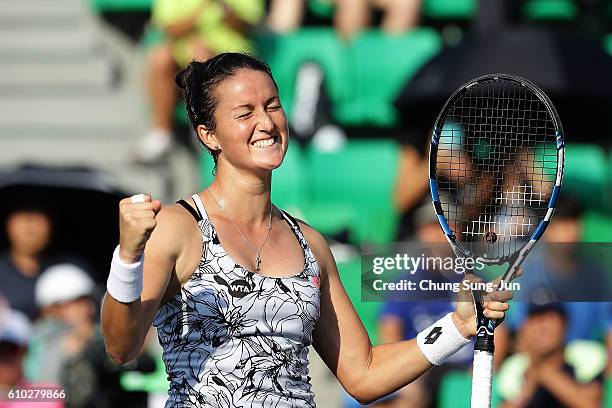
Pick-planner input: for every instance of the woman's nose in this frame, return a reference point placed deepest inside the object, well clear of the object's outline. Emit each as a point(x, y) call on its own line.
point(264, 122)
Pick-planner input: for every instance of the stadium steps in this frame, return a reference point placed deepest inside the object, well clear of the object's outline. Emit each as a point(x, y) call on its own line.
point(43, 8)
point(94, 74)
point(70, 93)
point(35, 112)
point(24, 42)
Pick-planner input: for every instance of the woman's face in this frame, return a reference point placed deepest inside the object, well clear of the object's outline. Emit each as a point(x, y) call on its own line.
point(29, 231)
point(251, 130)
point(544, 333)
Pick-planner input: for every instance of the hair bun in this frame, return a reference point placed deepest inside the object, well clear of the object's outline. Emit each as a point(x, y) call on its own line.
point(181, 78)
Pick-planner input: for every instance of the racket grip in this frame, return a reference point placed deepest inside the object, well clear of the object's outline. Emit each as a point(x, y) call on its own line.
point(482, 379)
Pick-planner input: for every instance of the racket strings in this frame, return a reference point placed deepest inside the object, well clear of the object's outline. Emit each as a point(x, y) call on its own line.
point(496, 165)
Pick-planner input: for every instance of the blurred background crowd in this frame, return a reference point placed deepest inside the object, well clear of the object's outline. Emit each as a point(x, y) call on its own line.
point(89, 113)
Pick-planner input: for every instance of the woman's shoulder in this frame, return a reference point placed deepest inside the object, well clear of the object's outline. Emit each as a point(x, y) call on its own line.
point(174, 220)
point(317, 243)
point(313, 236)
point(176, 213)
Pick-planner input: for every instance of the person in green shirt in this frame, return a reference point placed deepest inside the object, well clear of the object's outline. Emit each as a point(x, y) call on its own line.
point(192, 30)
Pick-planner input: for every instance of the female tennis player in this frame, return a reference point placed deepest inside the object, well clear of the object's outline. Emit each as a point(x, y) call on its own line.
point(237, 288)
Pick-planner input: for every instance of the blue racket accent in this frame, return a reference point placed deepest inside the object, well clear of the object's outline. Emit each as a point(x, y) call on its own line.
point(491, 324)
point(435, 137)
point(554, 197)
point(560, 140)
point(539, 231)
point(433, 187)
point(444, 225)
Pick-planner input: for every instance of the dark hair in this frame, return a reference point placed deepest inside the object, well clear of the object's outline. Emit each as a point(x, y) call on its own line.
point(199, 80)
point(535, 309)
point(568, 207)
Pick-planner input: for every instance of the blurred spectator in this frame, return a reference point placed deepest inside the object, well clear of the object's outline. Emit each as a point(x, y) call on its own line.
point(64, 293)
point(194, 29)
point(544, 373)
point(15, 332)
point(66, 346)
point(350, 17)
point(29, 229)
point(557, 267)
point(411, 184)
point(92, 380)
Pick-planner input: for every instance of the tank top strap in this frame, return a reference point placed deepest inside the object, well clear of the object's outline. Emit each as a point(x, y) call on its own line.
point(290, 220)
point(205, 224)
point(296, 228)
point(200, 206)
point(195, 213)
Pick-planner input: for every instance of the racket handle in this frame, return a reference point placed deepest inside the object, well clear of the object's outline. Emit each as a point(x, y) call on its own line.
point(482, 379)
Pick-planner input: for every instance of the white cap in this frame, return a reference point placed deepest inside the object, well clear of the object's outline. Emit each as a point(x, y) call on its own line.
point(62, 283)
point(15, 328)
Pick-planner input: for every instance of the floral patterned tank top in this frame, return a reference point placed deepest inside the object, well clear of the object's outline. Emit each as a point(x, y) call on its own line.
point(235, 338)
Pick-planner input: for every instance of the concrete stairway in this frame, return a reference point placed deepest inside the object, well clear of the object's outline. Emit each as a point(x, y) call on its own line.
point(71, 93)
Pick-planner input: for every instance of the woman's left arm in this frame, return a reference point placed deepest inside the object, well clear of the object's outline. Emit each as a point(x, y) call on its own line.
point(369, 372)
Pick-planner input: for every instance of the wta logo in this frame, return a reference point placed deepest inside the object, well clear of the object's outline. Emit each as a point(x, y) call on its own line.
point(238, 288)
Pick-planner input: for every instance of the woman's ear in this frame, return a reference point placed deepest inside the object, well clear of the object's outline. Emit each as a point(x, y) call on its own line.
point(207, 137)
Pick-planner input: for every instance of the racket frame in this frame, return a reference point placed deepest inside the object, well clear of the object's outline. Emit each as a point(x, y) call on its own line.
point(484, 347)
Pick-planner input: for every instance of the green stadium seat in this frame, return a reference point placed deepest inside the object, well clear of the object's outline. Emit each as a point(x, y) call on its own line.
point(206, 165)
point(431, 9)
point(180, 113)
point(154, 382)
point(354, 186)
point(350, 275)
point(596, 227)
point(550, 10)
point(608, 43)
point(152, 35)
point(586, 173)
point(449, 9)
point(607, 402)
point(383, 64)
point(456, 391)
point(121, 5)
point(285, 54)
point(321, 8)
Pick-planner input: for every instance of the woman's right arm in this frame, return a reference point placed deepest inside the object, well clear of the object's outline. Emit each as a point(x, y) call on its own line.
point(125, 325)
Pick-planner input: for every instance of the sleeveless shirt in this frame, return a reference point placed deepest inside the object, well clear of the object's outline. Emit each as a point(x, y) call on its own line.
point(236, 338)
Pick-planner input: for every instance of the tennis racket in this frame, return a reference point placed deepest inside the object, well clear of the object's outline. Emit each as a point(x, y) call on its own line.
point(496, 167)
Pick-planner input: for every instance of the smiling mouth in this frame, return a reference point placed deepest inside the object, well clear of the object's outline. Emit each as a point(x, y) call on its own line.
point(265, 143)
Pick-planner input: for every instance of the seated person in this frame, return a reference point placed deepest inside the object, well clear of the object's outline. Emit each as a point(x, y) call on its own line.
point(15, 331)
point(194, 29)
point(350, 17)
point(67, 323)
point(29, 230)
point(546, 372)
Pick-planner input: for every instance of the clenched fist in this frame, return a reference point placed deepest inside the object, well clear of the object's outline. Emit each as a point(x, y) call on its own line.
point(136, 223)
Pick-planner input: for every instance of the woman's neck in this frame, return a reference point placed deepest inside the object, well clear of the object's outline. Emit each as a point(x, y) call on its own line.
point(244, 197)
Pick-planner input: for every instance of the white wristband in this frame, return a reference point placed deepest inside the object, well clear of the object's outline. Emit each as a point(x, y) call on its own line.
point(124, 282)
point(441, 340)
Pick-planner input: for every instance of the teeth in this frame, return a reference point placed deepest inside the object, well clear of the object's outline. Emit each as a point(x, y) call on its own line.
point(264, 143)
